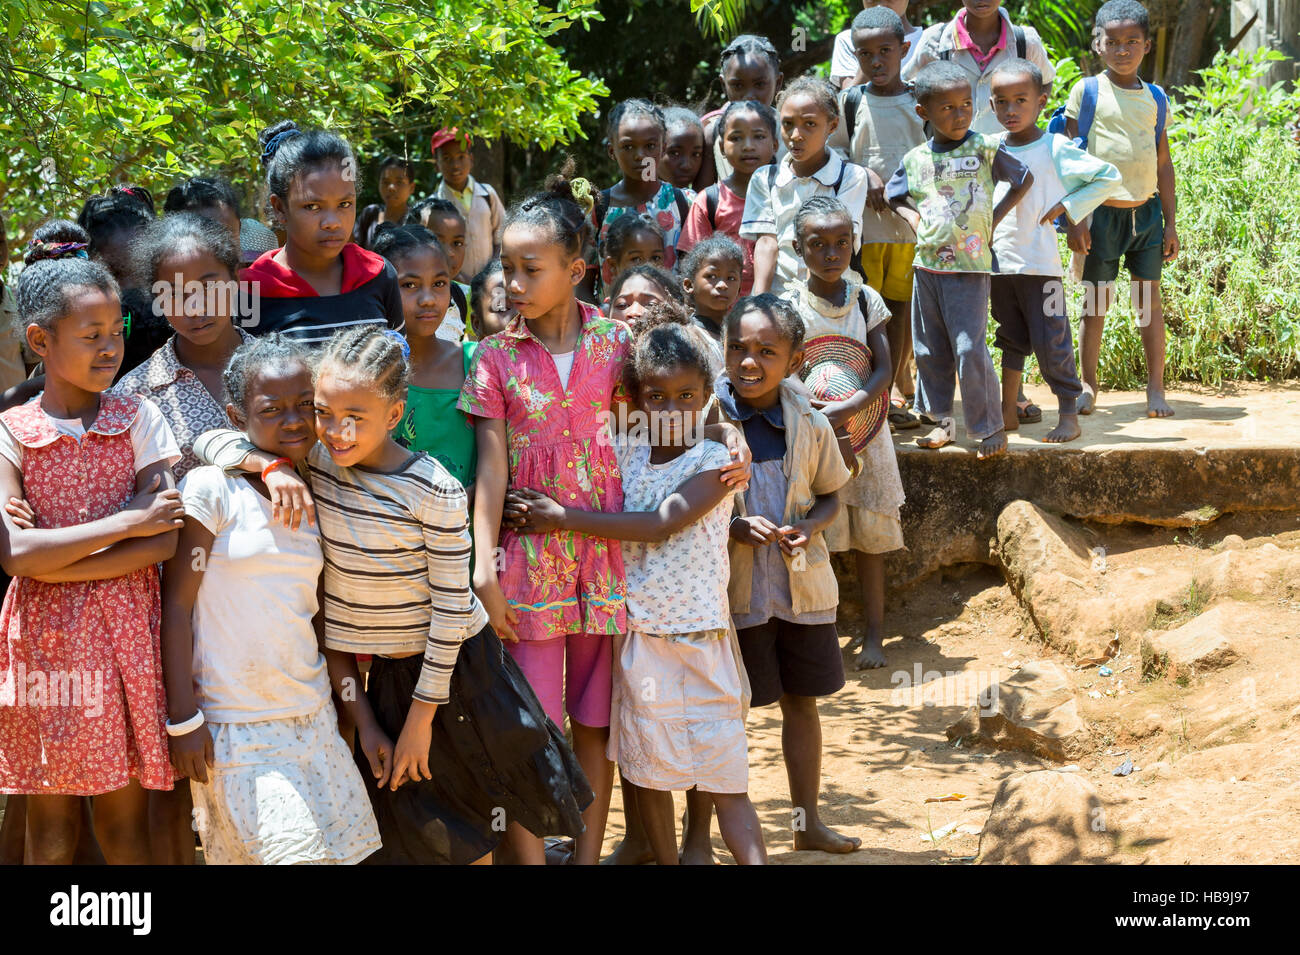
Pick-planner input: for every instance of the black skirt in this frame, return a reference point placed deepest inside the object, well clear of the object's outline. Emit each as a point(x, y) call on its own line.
point(495, 757)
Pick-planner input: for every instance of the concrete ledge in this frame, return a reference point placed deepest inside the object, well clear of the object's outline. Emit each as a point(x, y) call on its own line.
point(1226, 452)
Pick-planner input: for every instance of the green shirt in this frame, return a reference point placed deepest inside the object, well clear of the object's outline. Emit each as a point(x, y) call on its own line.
point(434, 425)
point(953, 191)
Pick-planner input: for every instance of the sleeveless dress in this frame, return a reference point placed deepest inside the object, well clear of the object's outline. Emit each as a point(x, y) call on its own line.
point(81, 688)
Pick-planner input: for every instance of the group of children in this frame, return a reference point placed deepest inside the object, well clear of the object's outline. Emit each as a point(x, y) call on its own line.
point(420, 519)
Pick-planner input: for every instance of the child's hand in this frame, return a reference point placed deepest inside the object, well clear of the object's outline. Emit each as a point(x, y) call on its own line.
point(1078, 236)
point(837, 413)
point(192, 753)
point(754, 531)
point(157, 512)
point(501, 615)
point(794, 537)
point(876, 191)
point(291, 498)
point(378, 750)
point(736, 472)
point(411, 758)
point(536, 513)
point(514, 512)
point(1171, 242)
point(22, 513)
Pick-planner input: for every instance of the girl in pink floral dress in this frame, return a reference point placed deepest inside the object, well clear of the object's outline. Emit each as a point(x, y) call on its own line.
point(541, 391)
point(82, 710)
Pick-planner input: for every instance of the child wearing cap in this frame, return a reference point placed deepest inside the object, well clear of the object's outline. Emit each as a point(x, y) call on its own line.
point(484, 213)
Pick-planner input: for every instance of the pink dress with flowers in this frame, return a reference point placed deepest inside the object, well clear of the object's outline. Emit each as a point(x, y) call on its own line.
point(101, 633)
point(663, 208)
point(559, 583)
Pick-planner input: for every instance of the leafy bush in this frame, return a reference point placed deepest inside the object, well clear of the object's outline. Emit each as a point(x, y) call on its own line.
point(1232, 297)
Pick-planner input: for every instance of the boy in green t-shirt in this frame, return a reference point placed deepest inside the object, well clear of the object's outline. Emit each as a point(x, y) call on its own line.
point(944, 189)
point(1137, 224)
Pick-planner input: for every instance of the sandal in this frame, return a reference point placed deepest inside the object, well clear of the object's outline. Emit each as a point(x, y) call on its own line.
point(901, 417)
point(1028, 413)
point(949, 427)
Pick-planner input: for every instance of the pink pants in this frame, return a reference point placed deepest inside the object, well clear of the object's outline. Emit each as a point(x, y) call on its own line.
point(575, 670)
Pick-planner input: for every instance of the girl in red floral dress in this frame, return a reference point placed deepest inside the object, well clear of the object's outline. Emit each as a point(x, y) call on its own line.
point(82, 710)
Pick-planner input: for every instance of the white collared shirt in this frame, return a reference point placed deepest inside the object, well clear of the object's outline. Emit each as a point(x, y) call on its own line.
point(484, 219)
point(772, 212)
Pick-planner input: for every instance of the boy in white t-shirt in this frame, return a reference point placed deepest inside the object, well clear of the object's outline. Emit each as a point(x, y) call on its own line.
point(845, 71)
point(1027, 292)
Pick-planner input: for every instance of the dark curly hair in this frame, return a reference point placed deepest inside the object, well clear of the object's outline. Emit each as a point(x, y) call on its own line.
point(622, 229)
point(664, 338)
point(288, 152)
point(717, 246)
point(273, 350)
point(201, 192)
point(174, 233)
point(555, 210)
point(819, 90)
point(672, 288)
point(777, 310)
point(45, 287)
point(372, 354)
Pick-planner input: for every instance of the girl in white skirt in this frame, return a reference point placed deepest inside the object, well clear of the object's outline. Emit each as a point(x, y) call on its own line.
point(677, 721)
point(250, 716)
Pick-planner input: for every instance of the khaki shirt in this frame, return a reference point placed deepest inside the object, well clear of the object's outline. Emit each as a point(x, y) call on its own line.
point(12, 369)
point(813, 467)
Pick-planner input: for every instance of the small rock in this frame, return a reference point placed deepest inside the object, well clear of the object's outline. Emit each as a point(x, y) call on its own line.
point(1045, 818)
point(1033, 710)
point(1197, 645)
point(1232, 542)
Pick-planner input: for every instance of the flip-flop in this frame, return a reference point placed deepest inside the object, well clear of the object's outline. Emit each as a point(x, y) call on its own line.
point(901, 417)
point(1029, 413)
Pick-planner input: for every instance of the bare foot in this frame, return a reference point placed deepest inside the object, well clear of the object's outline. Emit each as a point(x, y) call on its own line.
point(1157, 407)
point(822, 838)
point(697, 848)
point(1087, 401)
point(872, 656)
point(626, 854)
point(992, 446)
point(1067, 429)
point(695, 856)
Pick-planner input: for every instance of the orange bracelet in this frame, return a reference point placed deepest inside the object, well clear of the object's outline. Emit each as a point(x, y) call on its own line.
point(272, 466)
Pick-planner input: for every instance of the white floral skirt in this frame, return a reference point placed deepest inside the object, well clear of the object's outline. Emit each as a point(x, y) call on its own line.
point(284, 792)
point(680, 723)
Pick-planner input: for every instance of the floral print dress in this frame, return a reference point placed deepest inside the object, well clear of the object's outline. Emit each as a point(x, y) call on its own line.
point(101, 634)
point(664, 209)
point(559, 583)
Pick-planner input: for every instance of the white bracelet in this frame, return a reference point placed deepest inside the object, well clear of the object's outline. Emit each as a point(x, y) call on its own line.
point(189, 726)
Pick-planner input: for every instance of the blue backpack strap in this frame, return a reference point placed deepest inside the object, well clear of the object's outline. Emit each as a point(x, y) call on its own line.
point(1087, 108)
point(1162, 109)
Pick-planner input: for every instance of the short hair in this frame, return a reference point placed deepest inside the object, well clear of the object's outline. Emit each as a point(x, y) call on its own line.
point(1123, 11)
point(273, 350)
point(777, 310)
point(56, 266)
point(817, 207)
point(478, 284)
point(202, 192)
point(939, 75)
point(750, 45)
point(634, 107)
point(288, 152)
point(880, 18)
point(664, 338)
point(717, 246)
point(821, 92)
point(426, 209)
point(675, 116)
point(671, 288)
point(181, 231)
point(1017, 66)
point(122, 207)
point(621, 230)
point(766, 113)
point(371, 354)
point(396, 162)
point(395, 241)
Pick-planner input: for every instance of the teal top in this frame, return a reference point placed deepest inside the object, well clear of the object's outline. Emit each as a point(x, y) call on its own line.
point(433, 424)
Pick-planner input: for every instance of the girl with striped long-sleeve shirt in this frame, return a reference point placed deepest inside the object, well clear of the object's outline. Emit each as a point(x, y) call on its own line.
point(474, 750)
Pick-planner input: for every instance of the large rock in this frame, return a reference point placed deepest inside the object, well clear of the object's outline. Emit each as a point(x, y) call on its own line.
point(1201, 644)
point(1033, 710)
point(1045, 818)
point(953, 500)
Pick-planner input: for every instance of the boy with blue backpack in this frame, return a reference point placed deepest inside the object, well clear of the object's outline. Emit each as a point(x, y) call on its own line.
point(1121, 119)
point(1027, 292)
